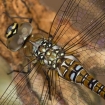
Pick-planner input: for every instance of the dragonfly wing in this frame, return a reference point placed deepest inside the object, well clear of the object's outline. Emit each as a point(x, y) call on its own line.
point(81, 24)
point(19, 91)
point(78, 27)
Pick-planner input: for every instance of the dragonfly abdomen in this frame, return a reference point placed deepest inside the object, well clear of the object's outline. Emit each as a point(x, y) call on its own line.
point(72, 70)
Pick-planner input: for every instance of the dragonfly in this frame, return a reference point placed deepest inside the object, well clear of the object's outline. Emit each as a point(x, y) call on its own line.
point(63, 56)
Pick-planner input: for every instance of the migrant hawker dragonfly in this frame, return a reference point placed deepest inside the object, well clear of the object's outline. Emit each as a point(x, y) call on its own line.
point(74, 43)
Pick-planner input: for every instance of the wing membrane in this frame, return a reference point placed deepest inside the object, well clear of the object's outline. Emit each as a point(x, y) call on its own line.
point(78, 27)
point(18, 91)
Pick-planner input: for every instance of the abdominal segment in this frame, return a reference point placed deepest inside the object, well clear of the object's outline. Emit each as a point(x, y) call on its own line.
point(72, 70)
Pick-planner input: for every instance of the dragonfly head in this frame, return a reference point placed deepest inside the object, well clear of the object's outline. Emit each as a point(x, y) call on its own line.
point(17, 34)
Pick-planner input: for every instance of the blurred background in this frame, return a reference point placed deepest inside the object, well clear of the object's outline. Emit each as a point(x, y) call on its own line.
point(42, 12)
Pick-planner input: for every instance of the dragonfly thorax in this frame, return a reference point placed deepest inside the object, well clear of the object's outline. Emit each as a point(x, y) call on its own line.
point(48, 53)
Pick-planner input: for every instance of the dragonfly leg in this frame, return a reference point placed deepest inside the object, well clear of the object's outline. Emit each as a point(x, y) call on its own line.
point(38, 27)
point(21, 68)
point(41, 29)
point(17, 71)
point(48, 79)
point(3, 43)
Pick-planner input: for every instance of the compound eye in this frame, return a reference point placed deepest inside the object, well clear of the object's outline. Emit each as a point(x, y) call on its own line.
point(12, 29)
point(9, 28)
point(25, 29)
point(17, 35)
